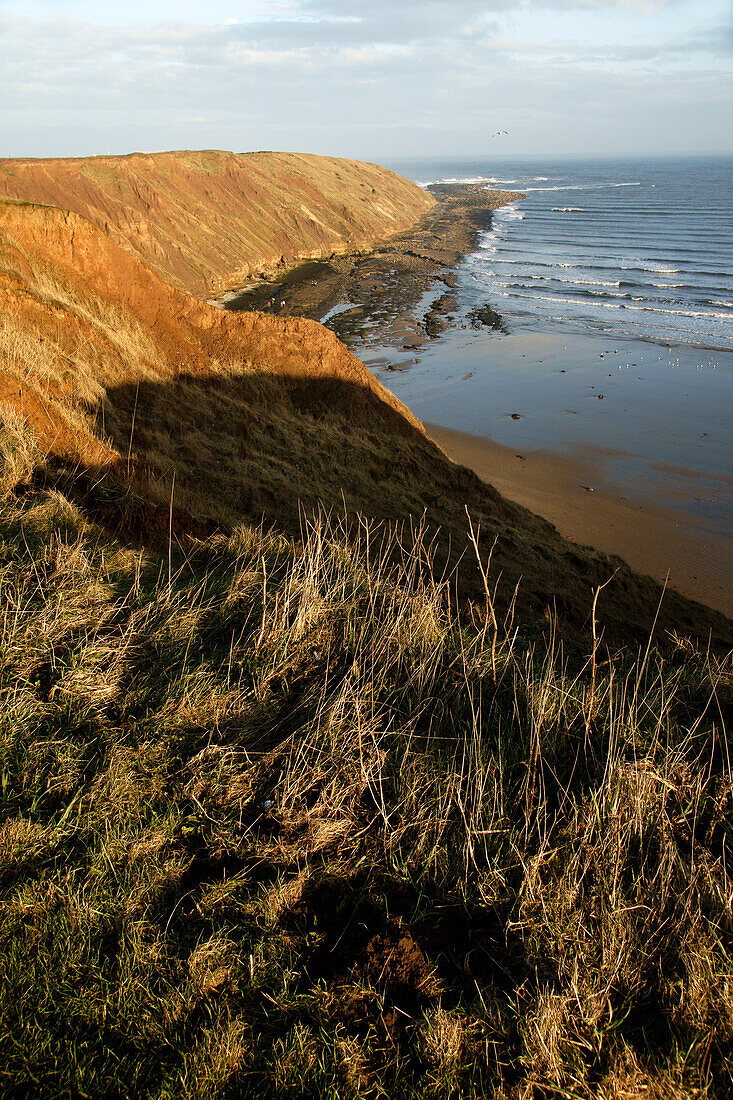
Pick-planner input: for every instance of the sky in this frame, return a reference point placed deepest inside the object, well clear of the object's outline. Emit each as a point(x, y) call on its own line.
point(374, 79)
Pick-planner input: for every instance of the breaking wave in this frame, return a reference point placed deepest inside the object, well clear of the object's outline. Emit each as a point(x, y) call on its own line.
point(619, 262)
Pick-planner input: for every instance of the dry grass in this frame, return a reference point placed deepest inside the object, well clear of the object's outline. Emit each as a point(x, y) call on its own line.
point(66, 348)
point(18, 452)
point(72, 361)
point(281, 821)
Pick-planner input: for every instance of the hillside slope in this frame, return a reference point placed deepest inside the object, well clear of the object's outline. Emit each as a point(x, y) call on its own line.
point(208, 220)
point(243, 417)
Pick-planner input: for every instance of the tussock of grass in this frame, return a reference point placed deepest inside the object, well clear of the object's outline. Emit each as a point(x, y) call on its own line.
point(277, 820)
point(66, 347)
point(18, 452)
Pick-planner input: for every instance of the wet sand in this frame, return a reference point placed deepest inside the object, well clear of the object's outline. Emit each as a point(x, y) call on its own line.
point(645, 472)
point(653, 539)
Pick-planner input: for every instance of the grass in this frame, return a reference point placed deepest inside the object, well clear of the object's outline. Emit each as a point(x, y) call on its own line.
point(67, 355)
point(278, 820)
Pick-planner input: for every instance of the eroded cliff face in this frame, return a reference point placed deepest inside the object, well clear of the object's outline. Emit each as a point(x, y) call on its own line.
point(80, 315)
point(207, 221)
point(244, 417)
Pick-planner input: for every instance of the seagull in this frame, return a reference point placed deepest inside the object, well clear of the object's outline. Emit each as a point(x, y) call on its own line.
point(496, 133)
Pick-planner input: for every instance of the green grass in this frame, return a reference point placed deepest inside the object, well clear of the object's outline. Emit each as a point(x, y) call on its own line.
point(278, 820)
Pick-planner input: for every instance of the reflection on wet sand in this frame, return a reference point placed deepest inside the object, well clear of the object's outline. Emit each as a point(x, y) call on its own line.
point(574, 494)
point(624, 445)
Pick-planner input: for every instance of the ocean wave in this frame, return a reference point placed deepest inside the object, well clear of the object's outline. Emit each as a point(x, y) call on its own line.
point(602, 272)
point(520, 181)
point(684, 312)
point(581, 298)
point(564, 187)
point(603, 293)
point(510, 210)
point(658, 286)
point(639, 266)
point(464, 179)
point(583, 186)
point(458, 179)
point(555, 299)
point(576, 282)
point(579, 291)
point(629, 283)
point(688, 338)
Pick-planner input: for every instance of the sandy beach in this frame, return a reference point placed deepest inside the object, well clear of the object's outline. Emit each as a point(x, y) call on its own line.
point(524, 413)
point(653, 539)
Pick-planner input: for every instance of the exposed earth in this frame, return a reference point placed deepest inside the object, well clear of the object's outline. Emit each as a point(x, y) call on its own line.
point(208, 220)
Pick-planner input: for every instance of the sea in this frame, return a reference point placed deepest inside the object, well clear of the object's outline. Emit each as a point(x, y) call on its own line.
point(623, 248)
point(615, 282)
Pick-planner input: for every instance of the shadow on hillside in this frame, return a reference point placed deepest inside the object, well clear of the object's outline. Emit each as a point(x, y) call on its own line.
point(260, 444)
point(227, 449)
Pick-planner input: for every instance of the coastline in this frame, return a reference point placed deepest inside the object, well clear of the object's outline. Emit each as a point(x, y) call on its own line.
point(389, 304)
point(374, 293)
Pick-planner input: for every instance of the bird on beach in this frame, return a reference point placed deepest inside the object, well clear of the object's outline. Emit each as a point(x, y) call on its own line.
point(496, 133)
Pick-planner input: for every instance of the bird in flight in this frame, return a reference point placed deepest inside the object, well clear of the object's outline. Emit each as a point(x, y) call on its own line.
point(497, 132)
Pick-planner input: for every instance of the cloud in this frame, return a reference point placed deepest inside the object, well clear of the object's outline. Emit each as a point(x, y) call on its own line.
point(316, 73)
point(427, 15)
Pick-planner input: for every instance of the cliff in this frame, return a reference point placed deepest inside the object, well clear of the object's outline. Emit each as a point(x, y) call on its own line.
point(110, 320)
point(206, 221)
point(245, 417)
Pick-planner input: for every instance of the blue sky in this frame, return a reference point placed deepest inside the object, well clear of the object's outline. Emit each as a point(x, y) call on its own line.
point(377, 80)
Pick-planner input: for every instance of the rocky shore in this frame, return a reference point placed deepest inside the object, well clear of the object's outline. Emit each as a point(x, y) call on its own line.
point(373, 296)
